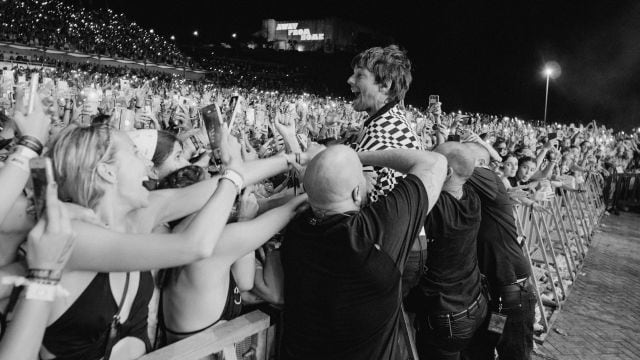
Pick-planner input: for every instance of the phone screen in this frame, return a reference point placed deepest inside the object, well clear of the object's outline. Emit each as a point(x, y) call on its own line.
point(41, 175)
point(212, 121)
point(233, 106)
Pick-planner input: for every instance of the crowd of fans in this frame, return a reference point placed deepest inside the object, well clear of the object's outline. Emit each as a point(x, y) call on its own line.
point(64, 26)
point(162, 183)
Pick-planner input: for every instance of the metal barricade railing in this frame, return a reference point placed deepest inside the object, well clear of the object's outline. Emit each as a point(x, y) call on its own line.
point(555, 241)
point(623, 189)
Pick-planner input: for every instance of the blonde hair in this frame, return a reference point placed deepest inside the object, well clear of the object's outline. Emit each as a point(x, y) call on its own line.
point(76, 154)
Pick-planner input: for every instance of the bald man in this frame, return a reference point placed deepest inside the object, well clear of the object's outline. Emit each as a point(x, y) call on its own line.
point(449, 302)
point(502, 261)
point(343, 259)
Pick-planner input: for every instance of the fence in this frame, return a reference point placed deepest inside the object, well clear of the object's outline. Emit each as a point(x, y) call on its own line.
point(555, 240)
point(623, 190)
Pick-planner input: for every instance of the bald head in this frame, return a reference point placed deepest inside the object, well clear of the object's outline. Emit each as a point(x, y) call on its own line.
point(481, 155)
point(459, 157)
point(332, 176)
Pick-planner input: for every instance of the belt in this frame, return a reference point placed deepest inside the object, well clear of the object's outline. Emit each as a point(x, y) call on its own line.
point(453, 317)
point(518, 285)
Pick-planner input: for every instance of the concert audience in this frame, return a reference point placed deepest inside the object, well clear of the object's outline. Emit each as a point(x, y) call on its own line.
point(110, 130)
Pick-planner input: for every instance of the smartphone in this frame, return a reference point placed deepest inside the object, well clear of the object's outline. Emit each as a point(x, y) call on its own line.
point(212, 120)
point(41, 177)
point(455, 137)
point(552, 136)
point(434, 99)
point(233, 110)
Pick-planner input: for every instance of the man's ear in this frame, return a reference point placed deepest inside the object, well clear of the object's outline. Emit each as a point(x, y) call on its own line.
point(107, 173)
point(355, 195)
point(385, 87)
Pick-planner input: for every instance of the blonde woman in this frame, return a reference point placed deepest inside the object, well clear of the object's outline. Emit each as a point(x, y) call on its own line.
point(108, 275)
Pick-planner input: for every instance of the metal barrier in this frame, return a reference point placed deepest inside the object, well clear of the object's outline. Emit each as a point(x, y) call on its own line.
point(555, 240)
point(623, 190)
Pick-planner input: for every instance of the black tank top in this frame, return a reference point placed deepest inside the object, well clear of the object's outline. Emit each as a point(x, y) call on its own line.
point(232, 309)
point(83, 330)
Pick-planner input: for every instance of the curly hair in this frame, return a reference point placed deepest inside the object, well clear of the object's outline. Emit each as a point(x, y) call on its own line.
point(389, 64)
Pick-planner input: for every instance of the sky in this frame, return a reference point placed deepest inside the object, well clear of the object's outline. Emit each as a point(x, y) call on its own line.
point(479, 56)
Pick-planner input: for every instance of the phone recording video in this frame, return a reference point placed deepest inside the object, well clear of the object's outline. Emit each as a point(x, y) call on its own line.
point(41, 177)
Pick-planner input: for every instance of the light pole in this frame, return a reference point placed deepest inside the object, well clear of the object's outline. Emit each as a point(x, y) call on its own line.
point(548, 71)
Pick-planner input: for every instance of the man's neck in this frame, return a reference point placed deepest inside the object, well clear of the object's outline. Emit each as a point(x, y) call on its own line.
point(376, 109)
point(455, 189)
point(332, 209)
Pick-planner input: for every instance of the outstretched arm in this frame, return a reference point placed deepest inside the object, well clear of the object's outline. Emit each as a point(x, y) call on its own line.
point(429, 167)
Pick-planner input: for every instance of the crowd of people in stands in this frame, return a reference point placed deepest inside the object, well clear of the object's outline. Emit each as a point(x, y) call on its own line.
point(217, 195)
point(64, 26)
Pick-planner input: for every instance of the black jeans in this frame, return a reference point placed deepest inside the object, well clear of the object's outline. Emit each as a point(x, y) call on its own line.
point(516, 340)
point(441, 337)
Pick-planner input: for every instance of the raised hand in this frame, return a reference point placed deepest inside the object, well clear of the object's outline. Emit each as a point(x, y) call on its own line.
point(50, 242)
point(36, 123)
point(230, 151)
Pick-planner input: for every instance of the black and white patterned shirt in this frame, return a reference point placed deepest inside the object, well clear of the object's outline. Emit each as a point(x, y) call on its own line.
point(387, 129)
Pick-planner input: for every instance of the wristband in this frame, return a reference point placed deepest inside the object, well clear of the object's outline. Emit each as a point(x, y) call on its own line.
point(235, 178)
point(48, 275)
point(37, 289)
point(32, 143)
point(41, 291)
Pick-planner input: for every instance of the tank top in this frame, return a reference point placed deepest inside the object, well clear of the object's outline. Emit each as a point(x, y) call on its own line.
point(82, 331)
point(232, 308)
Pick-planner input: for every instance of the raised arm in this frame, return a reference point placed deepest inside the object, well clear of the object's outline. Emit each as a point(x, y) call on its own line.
point(103, 250)
point(49, 244)
point(34, 127)
point(429, 167)
point(238, 239)
point(171, 204)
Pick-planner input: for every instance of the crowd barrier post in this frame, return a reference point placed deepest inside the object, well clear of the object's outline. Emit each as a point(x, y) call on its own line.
point(573, 222)
point(519, 213)
point(583, 219)
point(564, 238)
point(584, 212)
point(545, 256)
point(554, 227)
point(545, 221)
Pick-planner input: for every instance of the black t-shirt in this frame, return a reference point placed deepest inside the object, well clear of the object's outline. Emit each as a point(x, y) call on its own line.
point(451, 281)
point(342, 277)
point(500, 257)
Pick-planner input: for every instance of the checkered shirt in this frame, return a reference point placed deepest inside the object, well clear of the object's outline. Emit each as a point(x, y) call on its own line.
point(389, 130)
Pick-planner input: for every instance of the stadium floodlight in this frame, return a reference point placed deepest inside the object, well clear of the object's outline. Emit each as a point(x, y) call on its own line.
point(195, 33)
point(234, 35)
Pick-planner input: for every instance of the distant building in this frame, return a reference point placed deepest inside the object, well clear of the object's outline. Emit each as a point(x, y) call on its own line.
point(328, 35)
